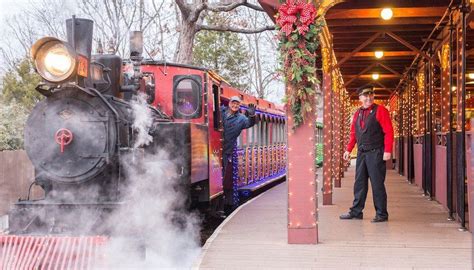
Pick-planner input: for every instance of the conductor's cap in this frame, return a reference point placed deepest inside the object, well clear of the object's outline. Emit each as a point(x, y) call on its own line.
point(366, 90)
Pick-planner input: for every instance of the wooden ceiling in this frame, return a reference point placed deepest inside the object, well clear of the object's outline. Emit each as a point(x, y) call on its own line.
point(358, 31)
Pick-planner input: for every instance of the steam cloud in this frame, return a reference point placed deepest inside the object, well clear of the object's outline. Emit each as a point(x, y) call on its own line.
point(142, 122)
point(154, 216)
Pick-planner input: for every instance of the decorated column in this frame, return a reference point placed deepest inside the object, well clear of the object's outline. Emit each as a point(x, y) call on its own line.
point(298, 33)
point(327, 134)
point(336, 131)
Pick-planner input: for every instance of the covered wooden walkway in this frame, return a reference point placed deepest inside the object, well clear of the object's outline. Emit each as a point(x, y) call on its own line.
point(417, 236)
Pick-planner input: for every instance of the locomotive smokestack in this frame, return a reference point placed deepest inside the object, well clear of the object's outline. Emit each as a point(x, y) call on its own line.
point(79, 35)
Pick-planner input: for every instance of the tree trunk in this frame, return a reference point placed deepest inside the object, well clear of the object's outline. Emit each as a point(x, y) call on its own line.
point(185, 43)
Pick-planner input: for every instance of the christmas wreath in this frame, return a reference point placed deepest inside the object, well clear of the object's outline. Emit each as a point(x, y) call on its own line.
point(298, 34)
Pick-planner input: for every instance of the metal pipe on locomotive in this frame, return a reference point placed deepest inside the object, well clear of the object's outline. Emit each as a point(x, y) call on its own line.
point(76, 136)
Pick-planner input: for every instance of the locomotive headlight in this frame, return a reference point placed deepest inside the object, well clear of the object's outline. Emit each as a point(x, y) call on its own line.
point(58, 62)
point(54, 59)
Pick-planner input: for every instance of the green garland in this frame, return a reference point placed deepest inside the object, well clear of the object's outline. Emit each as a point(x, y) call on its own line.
point(298, 43)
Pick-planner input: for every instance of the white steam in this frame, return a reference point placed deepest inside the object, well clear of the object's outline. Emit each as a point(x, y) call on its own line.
point(142, 122)
point(154, 215)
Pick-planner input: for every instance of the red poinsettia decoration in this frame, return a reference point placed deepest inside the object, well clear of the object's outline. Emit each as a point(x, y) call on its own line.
point(296, 15)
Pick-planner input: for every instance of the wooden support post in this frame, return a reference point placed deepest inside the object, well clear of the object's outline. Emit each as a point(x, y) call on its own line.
point(302, 184)
point(461, 119)
point(327, 134)
point(450, 143)
point(336, 135)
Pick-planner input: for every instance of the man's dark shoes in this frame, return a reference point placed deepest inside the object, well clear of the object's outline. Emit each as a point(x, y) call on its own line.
point(379, 219)
point(351, 216)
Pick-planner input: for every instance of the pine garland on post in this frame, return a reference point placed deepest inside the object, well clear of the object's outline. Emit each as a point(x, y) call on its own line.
point(298, 33)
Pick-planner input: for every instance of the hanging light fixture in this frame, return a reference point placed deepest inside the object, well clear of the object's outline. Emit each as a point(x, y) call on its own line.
point(378, 54)
point(386, 14)
point(375, 76)
point(471, 76)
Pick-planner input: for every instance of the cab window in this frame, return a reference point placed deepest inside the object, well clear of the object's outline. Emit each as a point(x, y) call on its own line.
point(187, 97)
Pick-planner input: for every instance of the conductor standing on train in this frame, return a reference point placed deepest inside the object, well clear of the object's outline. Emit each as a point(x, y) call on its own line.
point(372, 130)
point(234, 122)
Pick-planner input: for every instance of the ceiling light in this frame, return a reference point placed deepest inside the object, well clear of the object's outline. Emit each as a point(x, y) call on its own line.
point(378, 54)
point(471, 76)
point(375, 76)
point(386, 14)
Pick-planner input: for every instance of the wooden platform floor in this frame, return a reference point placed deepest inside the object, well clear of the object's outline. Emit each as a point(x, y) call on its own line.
point(418, 235)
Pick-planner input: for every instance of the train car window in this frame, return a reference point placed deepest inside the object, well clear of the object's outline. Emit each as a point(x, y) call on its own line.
point(280, 131)
point(187, 97)
point(257, 133)
point(249, 135)
point(276, 132)
point(254, 133)
point(266, 132)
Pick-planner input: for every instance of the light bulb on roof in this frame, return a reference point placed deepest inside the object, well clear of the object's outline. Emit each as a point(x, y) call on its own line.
point(386, 14)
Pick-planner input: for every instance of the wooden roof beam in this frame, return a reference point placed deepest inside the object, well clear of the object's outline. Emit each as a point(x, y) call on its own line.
point(369, 76)
point(375, 28)
point(385, 88)
point(385, 54)
point(372, 22)
point(407, 12)
point(358, 49)
point(408, 45)
point(360, 74)
point(389, 69)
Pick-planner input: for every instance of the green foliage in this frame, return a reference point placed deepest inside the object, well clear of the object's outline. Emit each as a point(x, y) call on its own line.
point(19, 85)
point(298, 55)
point(12, 121)
point(18, 96)
point(223, 52)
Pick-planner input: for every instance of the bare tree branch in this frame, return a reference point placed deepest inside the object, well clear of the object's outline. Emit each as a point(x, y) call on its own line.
point(220, 8)
point(234, 29)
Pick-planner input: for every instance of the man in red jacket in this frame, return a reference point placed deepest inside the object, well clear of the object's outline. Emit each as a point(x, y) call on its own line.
point(372, 130)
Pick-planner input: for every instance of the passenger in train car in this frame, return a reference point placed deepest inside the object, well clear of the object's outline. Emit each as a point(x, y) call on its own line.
point(372, 130)
point(233, 122)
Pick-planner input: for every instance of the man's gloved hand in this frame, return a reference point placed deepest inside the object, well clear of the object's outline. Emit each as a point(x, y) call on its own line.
point(251, 110)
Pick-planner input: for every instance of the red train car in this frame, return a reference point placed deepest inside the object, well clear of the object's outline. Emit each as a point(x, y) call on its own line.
point(194, 95)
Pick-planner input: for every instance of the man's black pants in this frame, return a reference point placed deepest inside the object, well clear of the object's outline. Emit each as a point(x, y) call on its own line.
point(370, 164)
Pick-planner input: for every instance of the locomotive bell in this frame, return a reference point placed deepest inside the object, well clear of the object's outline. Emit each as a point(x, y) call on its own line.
point(59, 61)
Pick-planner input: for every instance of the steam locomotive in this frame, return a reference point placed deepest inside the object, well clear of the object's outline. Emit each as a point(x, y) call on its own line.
point(78, 135)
